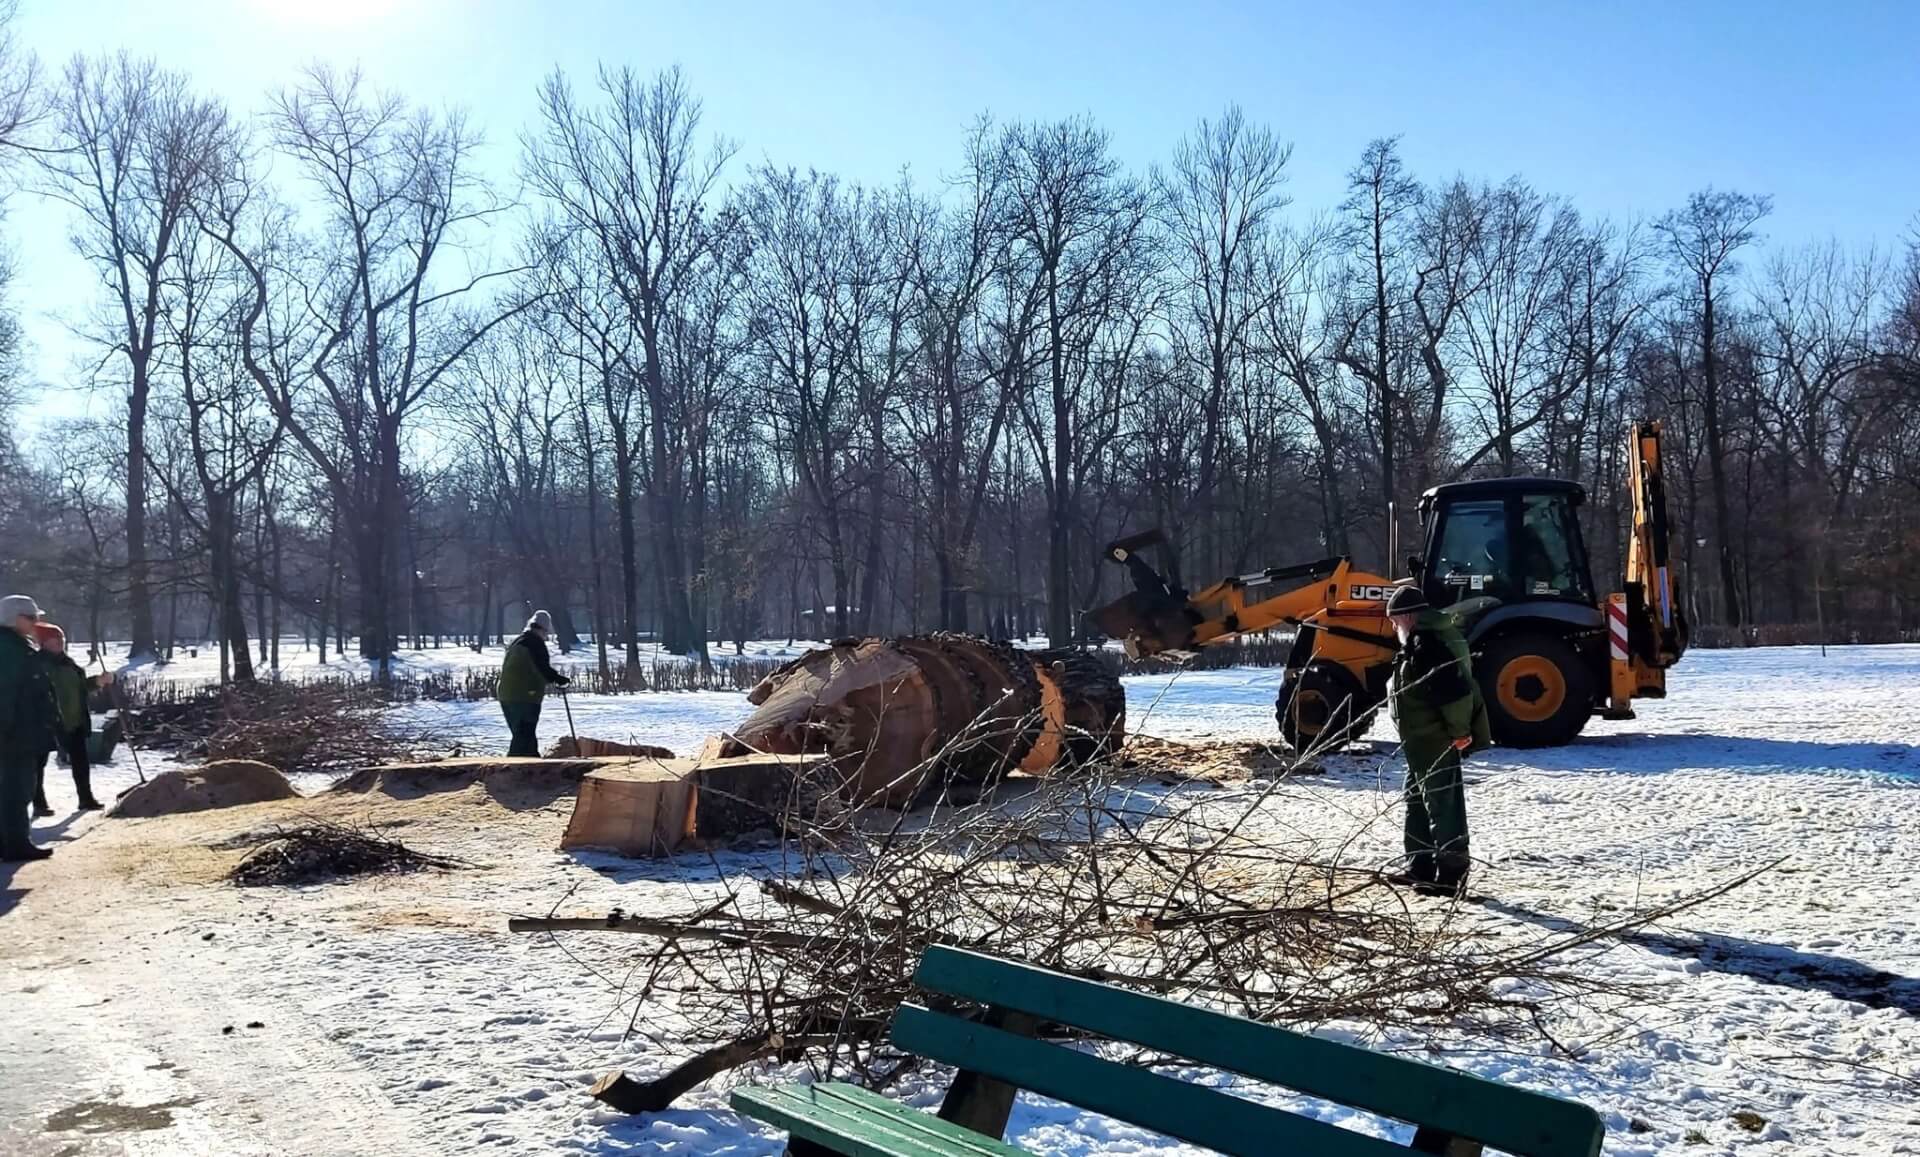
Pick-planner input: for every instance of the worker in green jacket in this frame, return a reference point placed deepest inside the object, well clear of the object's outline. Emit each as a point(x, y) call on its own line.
point(524, 676)
point(27, 725)
point(71, 686)
point(1441, 717)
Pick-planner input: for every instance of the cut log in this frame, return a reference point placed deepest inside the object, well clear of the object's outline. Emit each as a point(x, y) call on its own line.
point(636, 807)
point(1095, 703)
point(746, 793)
point(895, 716)
point(866, 704)
point(1045, 753)
point(1006, 721)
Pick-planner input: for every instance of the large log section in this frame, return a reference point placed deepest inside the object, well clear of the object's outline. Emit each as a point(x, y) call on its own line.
point(902, 716)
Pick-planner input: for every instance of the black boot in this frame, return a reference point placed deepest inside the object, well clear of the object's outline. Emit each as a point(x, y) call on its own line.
point(1419, 871)
point(42, 809)
point(27, 855)
point(1452, 890)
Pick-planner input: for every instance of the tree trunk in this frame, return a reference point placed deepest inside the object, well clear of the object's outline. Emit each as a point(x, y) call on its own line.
point(1716, 460)
point(139, 590)
point(225, 589)
point(629, 557)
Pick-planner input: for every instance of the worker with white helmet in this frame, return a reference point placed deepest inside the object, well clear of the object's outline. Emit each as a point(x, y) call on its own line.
point(524, 677)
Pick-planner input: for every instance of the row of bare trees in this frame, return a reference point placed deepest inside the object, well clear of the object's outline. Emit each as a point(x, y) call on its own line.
point(678, 398)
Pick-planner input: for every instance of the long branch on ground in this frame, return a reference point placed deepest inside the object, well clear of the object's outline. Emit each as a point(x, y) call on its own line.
point(1151, 883)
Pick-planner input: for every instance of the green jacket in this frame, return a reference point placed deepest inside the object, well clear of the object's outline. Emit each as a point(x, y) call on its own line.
point(71, 685)
point(28, 715)
point(525, 673)
point(1436, 699)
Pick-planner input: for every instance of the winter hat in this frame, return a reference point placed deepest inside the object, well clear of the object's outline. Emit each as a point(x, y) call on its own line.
point(541, 619)
point(46, 633)
point(13, 606)
point(1407, 600)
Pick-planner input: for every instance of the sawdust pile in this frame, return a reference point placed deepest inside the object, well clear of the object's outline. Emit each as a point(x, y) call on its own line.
point(1221, 761)
point(318, 852)
point(226, 783)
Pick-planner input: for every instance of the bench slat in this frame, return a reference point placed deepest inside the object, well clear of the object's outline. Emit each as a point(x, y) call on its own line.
point(1518, 1121)
point(933, 1126)
point(1190, 1112)
point(862, 1124)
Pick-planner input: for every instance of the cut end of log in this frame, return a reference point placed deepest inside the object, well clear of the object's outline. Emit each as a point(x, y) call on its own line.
point(900, 716)
point(621, 1093)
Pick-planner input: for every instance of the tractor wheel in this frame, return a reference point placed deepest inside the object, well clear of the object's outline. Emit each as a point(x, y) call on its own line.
point(1539, 693)
point(1322, 709)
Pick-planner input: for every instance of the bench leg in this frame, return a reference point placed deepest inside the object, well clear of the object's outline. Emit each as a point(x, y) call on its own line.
point(1427, 1140)
point(983, 1104)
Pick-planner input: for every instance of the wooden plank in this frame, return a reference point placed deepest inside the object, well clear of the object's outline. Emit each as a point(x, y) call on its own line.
point(1180, 1109)
point(1518, 1121)
point(842, 1124)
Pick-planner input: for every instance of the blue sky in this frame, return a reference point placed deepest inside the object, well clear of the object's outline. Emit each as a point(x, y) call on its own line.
point(1624, 106)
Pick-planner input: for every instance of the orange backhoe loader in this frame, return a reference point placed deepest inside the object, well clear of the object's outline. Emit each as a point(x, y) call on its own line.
point(1504, 555)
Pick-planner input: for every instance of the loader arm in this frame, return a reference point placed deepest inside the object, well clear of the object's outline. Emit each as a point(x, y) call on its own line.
point(1161, 618)
point(1647, 630)
point(1657, 626)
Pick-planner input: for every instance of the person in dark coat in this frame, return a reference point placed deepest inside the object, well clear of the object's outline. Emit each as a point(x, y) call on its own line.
point(28, 724)
point(1441, 716)
point(71, 686)
point(524, 677)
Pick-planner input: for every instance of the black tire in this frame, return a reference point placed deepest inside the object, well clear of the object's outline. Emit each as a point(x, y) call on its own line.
point(1323, 709)
point(1539, 691)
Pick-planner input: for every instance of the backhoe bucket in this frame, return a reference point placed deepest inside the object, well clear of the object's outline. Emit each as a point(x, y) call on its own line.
point(1154, 618)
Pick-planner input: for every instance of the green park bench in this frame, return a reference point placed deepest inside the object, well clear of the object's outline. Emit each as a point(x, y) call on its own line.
point(996, 1053)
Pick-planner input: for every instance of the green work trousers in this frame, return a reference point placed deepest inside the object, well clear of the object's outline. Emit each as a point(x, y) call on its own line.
point(1436, 829)
point(523, 723)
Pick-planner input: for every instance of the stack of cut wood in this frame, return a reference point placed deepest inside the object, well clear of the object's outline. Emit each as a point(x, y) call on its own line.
point(901, 716)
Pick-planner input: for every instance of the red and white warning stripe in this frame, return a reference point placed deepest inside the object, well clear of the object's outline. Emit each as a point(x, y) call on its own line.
point(1617, 627)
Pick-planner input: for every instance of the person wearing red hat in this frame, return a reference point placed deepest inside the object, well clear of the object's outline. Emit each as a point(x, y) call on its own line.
point(27, 725)
point(71, 686)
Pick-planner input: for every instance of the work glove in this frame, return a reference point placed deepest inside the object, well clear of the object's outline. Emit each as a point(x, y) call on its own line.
point(1462, 743)
point(562, 680)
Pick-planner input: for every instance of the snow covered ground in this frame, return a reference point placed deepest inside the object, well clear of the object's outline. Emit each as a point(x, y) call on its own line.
point(200, 664)
point(397, 1016)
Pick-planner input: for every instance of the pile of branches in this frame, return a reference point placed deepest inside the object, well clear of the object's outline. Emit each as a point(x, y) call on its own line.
point(316, 852)
point(324, 726)
point(1178, 892)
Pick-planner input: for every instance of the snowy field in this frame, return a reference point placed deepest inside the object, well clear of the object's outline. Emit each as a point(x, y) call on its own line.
point(200, 664)
point(1785, 1020)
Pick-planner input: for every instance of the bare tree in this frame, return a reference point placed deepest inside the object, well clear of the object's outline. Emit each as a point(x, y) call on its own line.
point(1078, 225)
point(24, 107)
point(1217, 203)
point(1376, 302)
point(1703, 240)
point(1522, 261)
point(630, 175)
point(135, 149)
point(397, 196)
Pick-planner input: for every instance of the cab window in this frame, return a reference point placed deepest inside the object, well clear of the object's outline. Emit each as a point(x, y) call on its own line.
point(1547, 562)
point(1471, 557)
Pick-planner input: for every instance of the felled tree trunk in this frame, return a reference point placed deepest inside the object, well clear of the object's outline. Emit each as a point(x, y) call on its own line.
point(898, 716)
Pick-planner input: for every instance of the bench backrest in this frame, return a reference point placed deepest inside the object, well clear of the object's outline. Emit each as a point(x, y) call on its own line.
point(1515, 1120)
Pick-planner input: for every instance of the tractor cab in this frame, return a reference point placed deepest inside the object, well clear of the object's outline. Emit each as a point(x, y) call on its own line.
point(1515, 540)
